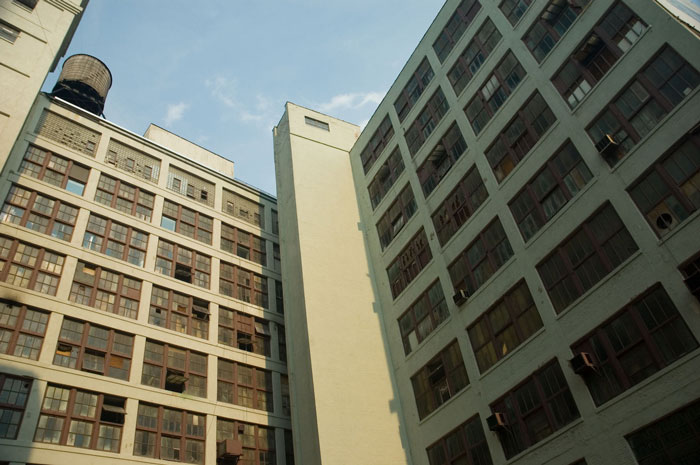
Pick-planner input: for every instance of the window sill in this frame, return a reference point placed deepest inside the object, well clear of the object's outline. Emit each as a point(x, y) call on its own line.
point(444, 405)
point(509, 355)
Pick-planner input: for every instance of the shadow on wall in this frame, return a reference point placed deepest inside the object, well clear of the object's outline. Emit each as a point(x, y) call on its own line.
point(20, 399)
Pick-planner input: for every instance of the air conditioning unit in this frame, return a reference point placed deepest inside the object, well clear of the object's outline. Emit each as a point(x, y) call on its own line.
point(497, 421)
point(607, 145)
point(229, 450)
point(582, 363)
point(460, 297)
point(693, 283)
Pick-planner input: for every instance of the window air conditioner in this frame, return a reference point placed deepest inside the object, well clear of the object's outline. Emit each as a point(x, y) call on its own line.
point(460, 297)
point(582, 363)
point(229, 450)
point(497, 422)
point(607, 145)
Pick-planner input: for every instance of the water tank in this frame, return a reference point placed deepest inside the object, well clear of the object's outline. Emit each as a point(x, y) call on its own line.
point(84, 81)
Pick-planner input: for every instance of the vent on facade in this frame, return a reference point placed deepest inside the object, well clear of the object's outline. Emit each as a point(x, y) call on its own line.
point(606, 145)
point(84, 81)
point(460, 297)
point(664, 221)
point(497, 422)
point(228, 451)
point(582, 363)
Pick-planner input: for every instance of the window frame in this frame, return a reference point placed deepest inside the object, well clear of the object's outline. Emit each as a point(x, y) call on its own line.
point(198, 228)
point(134, 245)
point(257, 331)
point(167, 263)
point(458, 441)
point(386, 177)
point(262, 392)
point(392, 222)
point(255, 446)
point(417, 82)
point(254, 292)
point(160, 433)
point(194, 313)
point(444, 155)
point(455, 27)
point(164, 365)
point(473, 56)
point(57, 222)
point(412, 259)
point(517, 10)
point(141, 205)
point(42, 165)
point(550, 34)
point(435, 313)
point(424, 125)
point(52, 270)
point(125, 289)
point(237, 238)
point(377, 143)
point(25, 386)
point(17, 330)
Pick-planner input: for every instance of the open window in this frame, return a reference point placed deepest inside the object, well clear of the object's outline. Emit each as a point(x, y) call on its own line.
point(175, 380)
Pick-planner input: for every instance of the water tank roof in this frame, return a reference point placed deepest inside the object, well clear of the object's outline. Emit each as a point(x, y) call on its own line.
point(84, 81)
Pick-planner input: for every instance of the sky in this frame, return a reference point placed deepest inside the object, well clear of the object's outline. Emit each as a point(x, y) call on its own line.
point(218, 72)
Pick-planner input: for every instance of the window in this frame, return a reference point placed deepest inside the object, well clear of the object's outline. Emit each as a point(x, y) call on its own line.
point(243, 244)
point(14, 392)
point(455, 27)
point(671, 440)
point(279, 297)
point(258, 441)
point(277, 257)
point(316, 123)
point(422, 317)
point(413, 89)
point(504, 326)
point(240, 330)
point(670, 190)
point(28, 3)
point(92, 348)
point(426, 121)
point(513, 10)
point(105, 290)
point(8, 32)
point(408, 263)
point(555, 19)
point(174, 369)
point(439, 380)
point(183, 264)
point(494, 92)
point(288, 447)
point(638, 341)
point(124, 197)
point(169, 434)
point(22, 330)
point(466, 445)
point(244, 209)
point(519, 136)
point(561, 178)
point(590, 253)
point(244, 385)
point(73, 417)
point(185, 183)
point(39, 213)
point(661, 85)
point(481, 259)
point(539, 406)
point(57, 171)
point(474, 55)
point(186, 222)
point(286, 402)
point(30, 267)
point(386, 176)
point(275, 223)
point(691, 275)
point(179, 312)
point(242, 284)
point(444, 155)
point(116, 240)
point(396, 216)
point(594, 57)
point(459, 205)
point(377, 143)
point(282, 343)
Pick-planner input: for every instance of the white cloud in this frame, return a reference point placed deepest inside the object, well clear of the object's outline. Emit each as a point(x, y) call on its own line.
point(351, 101)
point(175, 112)
point(223, 89)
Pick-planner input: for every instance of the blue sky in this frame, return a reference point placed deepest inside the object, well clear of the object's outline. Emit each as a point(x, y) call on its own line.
point(218, 72)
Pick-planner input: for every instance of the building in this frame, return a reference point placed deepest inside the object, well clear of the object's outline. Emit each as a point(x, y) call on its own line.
point(140, 298)
point(517, 227)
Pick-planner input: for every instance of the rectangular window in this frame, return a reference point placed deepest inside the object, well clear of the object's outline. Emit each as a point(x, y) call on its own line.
point(376, 144)
point(244, 385)
point(282, 343)
point(40, 213)
point(691, 275)
point(243, 331)
point(183, 264)
point(244, 209)
point(258, 441)
point(92, 348)
point(638, 341)
point(124, 197)
point(513, 10)
point(242, 284)
point(28, 3)
point(504, 326)
point(597, 53)
point(439, 380)
point(275, 223)
point(386, 176)
point(671, 440)
point(30, 267)
point(22, 330)
point(474, 55)
point(316, 123)
point(14, 393)
point(412, 91)
point(561, 178)
point(441, 159)
point(105, 290)
point(539, 406)
point(465, 445)
point(187, 184)
point(116, 240)
point(187, 222)
point(55, 170)
point(459, 205)
point(179, 312)
point(426, 121)
point(73, 417)
point(598, 246)
point(555, 19)
point(518, 137)
point(455, 27)
point(396, 216)
point(8, 32)
point(170, 434)
point(174, 369)
point(277, 257)
point(422, 317)
point(660, 86)
point(286, 402)
point(494, 92)
point(409, 262)
point(669, 192)
point(481, 259)
point(243, 244)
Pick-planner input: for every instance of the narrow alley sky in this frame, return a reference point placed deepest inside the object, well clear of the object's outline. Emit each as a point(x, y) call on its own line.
point(218, 72)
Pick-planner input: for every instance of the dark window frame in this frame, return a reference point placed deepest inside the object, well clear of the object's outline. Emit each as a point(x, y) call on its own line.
point(377, 143)
point(244, 332)
point(25, 207)
point(125, 197)
point(423, 316)
point(102, 235)
point(29, 322)
point(188, 433)
point(125, 291)
point(427, 120)
point(179, 308)
point(258, 441)
point(386, 177)
point(54, 169)
point(414, 88)
point(45, 266)
point(253, 289)
point(174, 376)
point(231, 376)
point(554, 20)
point(455, 27)
point(444, 155)
point(513, 10)
point(236, 241)
point(464, 445)
point(22, 386)
point(200, 228)
point(474, 55)
point(172, 260)
point(400, 211)
point(412, 259)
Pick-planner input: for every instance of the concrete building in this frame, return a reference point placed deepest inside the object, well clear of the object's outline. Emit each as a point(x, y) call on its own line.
point(517, 227)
